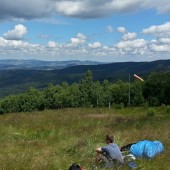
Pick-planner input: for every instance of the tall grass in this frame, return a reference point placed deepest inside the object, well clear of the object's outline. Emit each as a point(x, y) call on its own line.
point(54, 139)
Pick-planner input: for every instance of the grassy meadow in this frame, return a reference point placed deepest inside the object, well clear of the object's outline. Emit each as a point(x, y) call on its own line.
point(54, 139)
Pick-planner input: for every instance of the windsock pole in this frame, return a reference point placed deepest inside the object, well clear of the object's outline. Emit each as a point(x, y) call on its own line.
point(129, 91)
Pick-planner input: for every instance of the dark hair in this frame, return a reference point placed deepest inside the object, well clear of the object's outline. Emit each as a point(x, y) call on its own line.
point(109, 138)
point(74, 166)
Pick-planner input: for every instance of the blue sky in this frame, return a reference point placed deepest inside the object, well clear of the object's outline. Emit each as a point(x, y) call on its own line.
point(98, 30)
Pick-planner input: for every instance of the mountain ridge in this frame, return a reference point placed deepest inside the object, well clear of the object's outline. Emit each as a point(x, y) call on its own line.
point(19, 80)
point(14, 64)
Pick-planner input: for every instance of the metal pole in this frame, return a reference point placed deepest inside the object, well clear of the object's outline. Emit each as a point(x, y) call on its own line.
point(129, 91)
point(97, 102)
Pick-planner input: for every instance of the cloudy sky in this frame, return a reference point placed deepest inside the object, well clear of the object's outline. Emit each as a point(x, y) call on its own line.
point(97, 30)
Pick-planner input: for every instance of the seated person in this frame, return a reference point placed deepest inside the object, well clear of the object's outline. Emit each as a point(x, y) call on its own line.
point(111, 148)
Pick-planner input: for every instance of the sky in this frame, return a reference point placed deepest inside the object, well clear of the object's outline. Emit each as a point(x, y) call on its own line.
point(96, 30)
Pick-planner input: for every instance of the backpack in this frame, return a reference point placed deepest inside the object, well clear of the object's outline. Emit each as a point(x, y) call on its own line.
point(74, 166)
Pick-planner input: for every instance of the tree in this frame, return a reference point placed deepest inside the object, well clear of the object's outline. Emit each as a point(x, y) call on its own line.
point(105, 95)
point(63, 96)
point(156, 88)
point(74, 95)
point(137, 98)
point(26, 102)
point(49, 95)
point(10, 104)
point(86, 89)
point(31, 101)
point(120, 92)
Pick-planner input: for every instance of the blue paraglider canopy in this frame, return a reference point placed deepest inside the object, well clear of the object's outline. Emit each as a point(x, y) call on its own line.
point(147, 149)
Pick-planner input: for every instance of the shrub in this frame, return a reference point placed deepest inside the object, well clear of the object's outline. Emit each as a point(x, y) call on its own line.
point(119, 106)
point(151, 112)
point(153, 101)
point(168, 109)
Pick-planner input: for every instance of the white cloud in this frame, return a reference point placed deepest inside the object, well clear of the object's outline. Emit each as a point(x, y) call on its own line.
point(162, 6)
point(164, 40)
point(79, 48)
point(96, 8)
point(129, 36)
point(160, 48)
point(109, 29)
point(81, 36)
point(158, 30)
point(121, 29)
point(52, 44)
point(137, 43)
point(135, 46)
point(79, 39)
point(100, 8)
point(80, 8)
point(16, 44)
point(17, 33)
point(121, 51)
point(95, 45)
point(70, 8)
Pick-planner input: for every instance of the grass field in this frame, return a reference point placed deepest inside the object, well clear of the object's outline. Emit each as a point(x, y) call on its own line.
point(54, 139)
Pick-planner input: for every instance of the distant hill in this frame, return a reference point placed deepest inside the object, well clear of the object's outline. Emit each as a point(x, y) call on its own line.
point(16, 81)
point(41, 65)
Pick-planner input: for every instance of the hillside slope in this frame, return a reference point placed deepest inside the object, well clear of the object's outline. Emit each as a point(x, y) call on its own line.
point(15, 81)
point(46, 141)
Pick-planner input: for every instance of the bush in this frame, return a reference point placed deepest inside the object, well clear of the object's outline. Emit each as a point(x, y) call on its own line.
point(119, 106)
point(168, 109)
point(153, 101)
point(151, 112)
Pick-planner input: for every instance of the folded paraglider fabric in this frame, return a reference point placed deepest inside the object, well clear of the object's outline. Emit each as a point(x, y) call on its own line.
point(147, 149)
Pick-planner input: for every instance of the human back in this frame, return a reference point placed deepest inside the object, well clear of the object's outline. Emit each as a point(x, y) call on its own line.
point(114, 152)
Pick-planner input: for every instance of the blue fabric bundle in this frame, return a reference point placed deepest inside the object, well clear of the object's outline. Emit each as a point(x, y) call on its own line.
point(147, 149)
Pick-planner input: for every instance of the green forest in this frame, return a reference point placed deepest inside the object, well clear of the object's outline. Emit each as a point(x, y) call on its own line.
point(154, 91)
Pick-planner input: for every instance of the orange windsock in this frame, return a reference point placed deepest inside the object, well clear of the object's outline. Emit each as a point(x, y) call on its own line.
point(136, 76)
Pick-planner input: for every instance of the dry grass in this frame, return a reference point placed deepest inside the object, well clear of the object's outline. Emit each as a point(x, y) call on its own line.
point(54, 139)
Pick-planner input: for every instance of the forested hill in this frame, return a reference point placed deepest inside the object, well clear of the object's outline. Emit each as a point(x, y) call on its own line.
point(114, 71)
point(15, 81)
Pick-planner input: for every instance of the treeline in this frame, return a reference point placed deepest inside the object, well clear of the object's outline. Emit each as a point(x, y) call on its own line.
point(154, 91)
